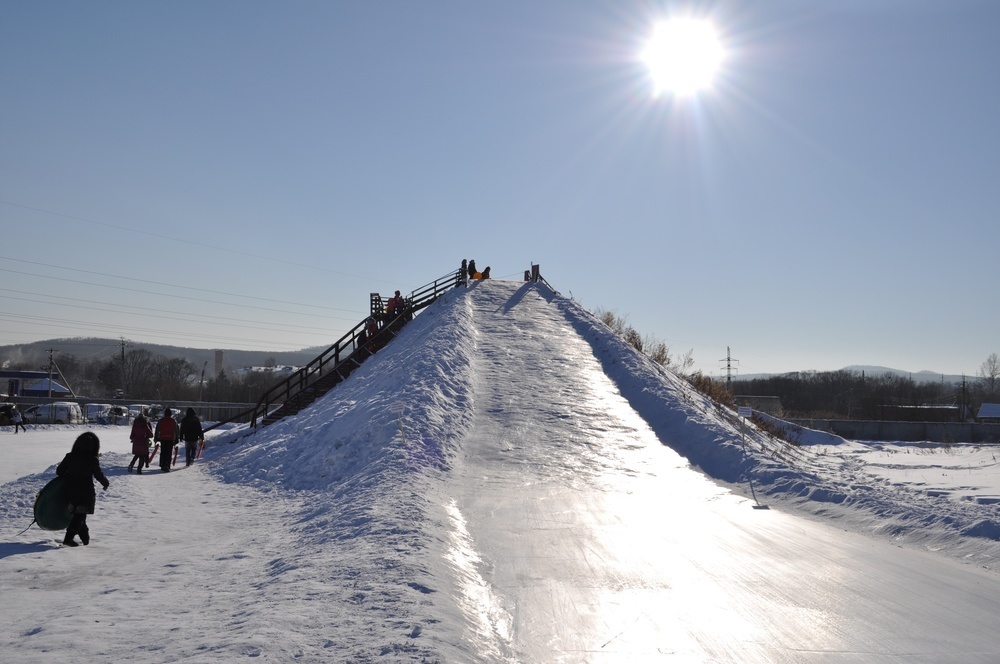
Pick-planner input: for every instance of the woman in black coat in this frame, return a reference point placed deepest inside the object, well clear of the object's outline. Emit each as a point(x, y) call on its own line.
point(80, 468)
point(192, 434)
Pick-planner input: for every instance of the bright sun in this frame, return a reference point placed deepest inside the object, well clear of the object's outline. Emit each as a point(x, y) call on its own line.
point(683, 56)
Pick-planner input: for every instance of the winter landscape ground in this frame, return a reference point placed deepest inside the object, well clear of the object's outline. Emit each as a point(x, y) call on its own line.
point(509, 482)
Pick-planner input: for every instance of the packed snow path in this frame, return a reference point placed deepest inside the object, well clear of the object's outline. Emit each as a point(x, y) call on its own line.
point(179, 568)
point(590, 541)
point(499, 484)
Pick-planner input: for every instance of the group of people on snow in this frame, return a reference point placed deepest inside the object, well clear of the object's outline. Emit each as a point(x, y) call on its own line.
point(82, 465)
point(167, 433)
point(469, 271)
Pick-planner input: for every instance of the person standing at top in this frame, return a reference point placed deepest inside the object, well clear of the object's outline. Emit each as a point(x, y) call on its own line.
point(80, 468)
point(472, 268)
point(192, 434)
point(166, 435)
point(141, 433)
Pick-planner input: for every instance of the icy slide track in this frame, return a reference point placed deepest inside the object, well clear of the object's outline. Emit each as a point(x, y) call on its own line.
point(488, 488)
point(595, 542)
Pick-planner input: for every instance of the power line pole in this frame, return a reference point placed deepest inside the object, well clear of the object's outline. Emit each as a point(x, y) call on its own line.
point(51, 363)
point(966, 410)
point(64, 378)
point(729, 368)
point(124, 377)
point(201, 386)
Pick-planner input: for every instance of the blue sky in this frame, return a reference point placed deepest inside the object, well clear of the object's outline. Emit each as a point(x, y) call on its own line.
point(242, 174)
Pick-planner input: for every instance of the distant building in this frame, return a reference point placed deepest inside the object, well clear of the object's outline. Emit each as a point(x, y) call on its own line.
point(280, 370)
point(924, 413)
point(41, 389)
point(989, 412)
point(32, 384)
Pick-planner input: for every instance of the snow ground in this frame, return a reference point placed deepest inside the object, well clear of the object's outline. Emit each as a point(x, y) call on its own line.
point(509, 482)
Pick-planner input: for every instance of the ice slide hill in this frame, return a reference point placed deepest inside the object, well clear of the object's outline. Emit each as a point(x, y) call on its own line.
point(515, 370)
point(510, 469)
point(500, 368)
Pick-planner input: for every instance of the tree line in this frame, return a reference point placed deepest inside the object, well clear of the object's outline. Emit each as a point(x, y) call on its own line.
point(848, 394)
point(142, 375)
point(843, 394)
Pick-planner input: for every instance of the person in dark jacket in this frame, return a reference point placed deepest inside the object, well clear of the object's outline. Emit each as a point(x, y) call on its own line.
point(141, 433)
point(192, 434)
point(80, 468)
point(166, 435)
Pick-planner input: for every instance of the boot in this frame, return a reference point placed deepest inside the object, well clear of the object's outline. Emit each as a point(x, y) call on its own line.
point(68, 540)
point(85, 537)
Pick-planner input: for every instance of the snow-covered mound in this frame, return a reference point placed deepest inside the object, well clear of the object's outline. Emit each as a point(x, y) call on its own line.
point(409, 407)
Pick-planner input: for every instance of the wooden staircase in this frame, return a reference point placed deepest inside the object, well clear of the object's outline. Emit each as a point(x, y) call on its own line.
point(323, 383)
point(336, 363)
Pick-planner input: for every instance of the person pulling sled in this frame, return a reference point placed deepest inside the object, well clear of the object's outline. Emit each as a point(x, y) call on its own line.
point(80, 468)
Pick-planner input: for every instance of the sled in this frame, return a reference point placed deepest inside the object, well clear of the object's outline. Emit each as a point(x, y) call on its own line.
point(52, 506)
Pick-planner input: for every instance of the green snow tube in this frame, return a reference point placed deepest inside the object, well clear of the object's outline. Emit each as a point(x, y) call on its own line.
point(52, 506)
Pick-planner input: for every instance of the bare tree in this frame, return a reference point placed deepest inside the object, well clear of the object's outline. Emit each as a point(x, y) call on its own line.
point(684, 363)
point(170, 376)
point(136, 367)
point(656, 350)
point(989, 374)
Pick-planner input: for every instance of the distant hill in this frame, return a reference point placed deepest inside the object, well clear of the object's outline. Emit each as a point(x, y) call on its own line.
point(96, 349)
point(36, 354)
point(870, 370)
point(917, 376)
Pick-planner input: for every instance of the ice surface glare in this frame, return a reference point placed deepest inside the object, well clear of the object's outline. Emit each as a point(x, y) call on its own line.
point(607, 523)
point(641, 614)
point(492, 622)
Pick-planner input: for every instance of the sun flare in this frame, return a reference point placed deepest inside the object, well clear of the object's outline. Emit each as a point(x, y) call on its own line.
point(683, 56)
